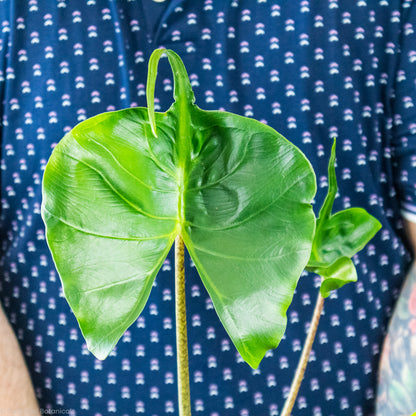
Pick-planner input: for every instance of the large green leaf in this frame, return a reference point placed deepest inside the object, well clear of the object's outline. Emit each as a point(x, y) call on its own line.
point(338, 237)
point(122, 185)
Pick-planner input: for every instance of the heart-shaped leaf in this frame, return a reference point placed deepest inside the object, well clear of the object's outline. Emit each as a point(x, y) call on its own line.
point(338, 237)
point(122, 185)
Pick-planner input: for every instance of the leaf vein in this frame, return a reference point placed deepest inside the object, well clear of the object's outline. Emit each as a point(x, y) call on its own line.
point(146, 214)
point(83, 231)
point(237, 224)
point(139, 300)
point(239, 258)
point(107, 286)
point(236, 166)
point(119, 164)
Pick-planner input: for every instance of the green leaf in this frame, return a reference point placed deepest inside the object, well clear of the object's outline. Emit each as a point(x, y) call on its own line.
point(338, 237)
point(344, 234)
point(336, 275)
point(115, 196)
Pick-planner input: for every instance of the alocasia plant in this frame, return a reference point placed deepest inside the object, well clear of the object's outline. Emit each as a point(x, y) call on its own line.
point(122, 186)
point(338, 237)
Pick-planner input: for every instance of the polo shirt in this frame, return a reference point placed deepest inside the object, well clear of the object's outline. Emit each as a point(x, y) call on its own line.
point(313, 70)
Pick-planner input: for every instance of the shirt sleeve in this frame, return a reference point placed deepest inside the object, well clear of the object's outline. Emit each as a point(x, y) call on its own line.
point(404, 141)
point(4, 36)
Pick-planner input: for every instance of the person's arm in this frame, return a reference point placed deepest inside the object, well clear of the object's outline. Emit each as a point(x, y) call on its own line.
point(411, 234)
point(397, 382)
point(16, 390)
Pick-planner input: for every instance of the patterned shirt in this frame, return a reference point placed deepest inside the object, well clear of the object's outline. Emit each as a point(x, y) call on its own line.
point(313, 70)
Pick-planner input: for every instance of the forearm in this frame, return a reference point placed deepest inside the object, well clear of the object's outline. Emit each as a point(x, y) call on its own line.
point(397, 383)
point(16, 390)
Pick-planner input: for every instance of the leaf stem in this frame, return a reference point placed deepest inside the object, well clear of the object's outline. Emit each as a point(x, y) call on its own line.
point(184, 397)
point(303, 362)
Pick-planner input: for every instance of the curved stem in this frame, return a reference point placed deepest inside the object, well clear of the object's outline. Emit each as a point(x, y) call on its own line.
point(182, 89)
point(303, 362)
point(184, 397)
point(150, 86)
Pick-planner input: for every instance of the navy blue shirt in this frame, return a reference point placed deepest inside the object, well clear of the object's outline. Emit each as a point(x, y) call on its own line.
point(313, 71)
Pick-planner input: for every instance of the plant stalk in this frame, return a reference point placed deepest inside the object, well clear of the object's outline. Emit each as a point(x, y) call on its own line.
point(304, 358)
point(184, 396)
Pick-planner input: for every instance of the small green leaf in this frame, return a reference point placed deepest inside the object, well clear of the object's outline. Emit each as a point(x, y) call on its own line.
point(338, 237)
point(343, 234)
point(115, 196)
point(336, 275)
point(326, 208)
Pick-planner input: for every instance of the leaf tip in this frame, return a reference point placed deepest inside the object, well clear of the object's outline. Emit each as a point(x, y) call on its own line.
point(99, 351)
point(252, 361)
point(150, 87)
point(153, 126)
point(324, 293)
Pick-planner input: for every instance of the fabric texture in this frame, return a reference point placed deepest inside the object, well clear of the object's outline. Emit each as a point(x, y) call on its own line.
point(313, 71)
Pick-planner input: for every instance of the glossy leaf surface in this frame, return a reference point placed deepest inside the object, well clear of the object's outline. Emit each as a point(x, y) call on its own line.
point(121, 186)
point(338, 237)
